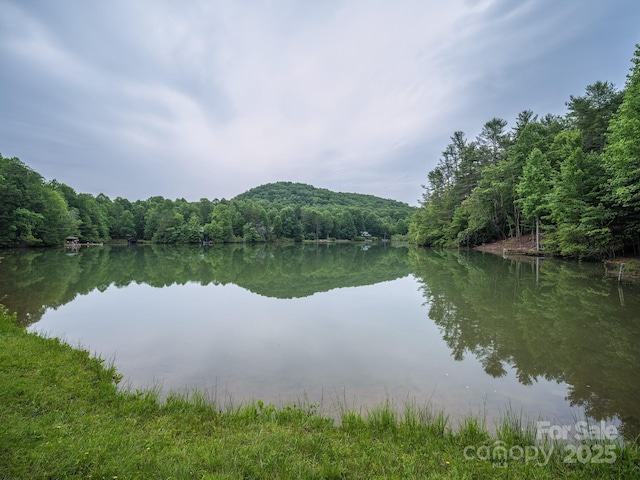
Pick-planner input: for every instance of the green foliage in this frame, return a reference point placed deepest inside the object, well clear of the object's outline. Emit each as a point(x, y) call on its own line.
point(622, 158)
point(466, 192)
point(32, 212)
point(522, 317)
point(35, 280)
point(592, 112)
point(577, 176)
point(534, 185)
point(581, 221)
point(289, 193)
point(35, 213)
point(299, 211)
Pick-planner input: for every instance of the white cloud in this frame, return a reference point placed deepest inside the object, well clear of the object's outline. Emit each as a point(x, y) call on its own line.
point(228, 95)
point(356, 83)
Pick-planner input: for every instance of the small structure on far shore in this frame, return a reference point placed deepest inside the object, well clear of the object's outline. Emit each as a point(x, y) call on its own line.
point(71, 241)
point(74, 243)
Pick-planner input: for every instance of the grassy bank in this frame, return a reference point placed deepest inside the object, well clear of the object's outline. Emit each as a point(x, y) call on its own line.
point(61, 416)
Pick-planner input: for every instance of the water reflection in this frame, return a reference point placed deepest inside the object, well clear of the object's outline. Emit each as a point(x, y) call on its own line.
point(554, 321)
point(33, 280)
point(280, 322)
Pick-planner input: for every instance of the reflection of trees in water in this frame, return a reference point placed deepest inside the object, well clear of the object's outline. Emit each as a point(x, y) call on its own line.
point(33, 280)
point(303, 271)
point(555, 320)
point(562, 322)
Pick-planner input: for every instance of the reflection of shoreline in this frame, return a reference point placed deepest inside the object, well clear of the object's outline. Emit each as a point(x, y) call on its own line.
point(546, 319)
point(36, 279)
point(558, 321)
point(524, 251)
point(370, 340)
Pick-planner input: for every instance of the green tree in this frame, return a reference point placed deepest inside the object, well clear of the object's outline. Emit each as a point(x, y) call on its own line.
point(622, 159)
point(193, 231)
point(94, 225)
point(291, 226)
point(32, 212)
point(581, 223)
point(122, 222)
point(126, 225)
point(221, 214)
point(533, 189)
point(277, 226)
point(165, 223)
point(58, 221)
point(345, 226)
point(494, 138)
point(592, 112)
point(214, 232)
point(26, 223)
point(249, 233)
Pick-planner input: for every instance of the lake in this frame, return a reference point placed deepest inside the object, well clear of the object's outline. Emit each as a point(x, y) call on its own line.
point(346, 325)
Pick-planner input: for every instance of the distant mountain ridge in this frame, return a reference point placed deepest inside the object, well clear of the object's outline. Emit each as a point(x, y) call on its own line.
point(293, 193)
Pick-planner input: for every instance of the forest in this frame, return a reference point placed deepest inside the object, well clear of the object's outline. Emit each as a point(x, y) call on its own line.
point(572, 181)
point(36, 212)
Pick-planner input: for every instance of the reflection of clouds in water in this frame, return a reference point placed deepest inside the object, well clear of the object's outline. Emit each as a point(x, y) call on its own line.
point(355, 345)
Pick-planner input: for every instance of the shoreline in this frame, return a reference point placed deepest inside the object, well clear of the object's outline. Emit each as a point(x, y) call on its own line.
point(64, 416)
point(526, 246)
point(522, 246)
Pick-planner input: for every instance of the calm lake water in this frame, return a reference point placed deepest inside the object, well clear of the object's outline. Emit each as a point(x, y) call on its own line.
point(346, 325)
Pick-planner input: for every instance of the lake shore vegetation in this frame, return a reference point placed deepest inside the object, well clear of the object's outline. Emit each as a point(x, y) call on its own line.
point(64, 416)
point(36, 212)
point(571, 182)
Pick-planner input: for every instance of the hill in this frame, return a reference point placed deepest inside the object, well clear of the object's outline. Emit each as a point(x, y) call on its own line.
point(36, 212)
point(301, 194)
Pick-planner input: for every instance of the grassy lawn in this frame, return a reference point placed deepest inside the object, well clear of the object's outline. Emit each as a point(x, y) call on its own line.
point(62, 416)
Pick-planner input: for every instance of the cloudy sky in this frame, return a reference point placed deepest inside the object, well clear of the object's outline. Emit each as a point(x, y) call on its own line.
point(211, 98)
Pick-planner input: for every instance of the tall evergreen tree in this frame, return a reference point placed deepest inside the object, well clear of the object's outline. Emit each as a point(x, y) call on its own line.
point(592, 112)
point(622, 158)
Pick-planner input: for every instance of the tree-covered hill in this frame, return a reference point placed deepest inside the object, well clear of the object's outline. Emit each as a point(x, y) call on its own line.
point(290, 193)
point(302, 211)
point(37, 212)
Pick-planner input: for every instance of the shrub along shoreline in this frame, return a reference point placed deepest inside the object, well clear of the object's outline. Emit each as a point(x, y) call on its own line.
point(62, 416)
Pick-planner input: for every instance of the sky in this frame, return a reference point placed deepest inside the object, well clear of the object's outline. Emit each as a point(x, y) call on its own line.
point(208, 99)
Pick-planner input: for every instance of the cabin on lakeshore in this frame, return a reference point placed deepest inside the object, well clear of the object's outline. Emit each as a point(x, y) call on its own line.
point(366, 236)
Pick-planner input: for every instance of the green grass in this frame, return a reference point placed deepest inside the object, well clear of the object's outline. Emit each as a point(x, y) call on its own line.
point(62, 416)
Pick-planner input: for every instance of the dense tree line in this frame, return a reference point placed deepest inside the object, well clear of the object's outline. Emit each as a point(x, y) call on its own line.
point(573, 178)
point(297, 210)
point(36, 212)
